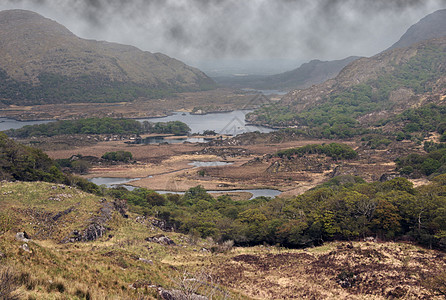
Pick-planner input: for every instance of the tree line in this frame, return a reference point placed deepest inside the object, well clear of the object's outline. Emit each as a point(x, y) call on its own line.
point(345, 208)
point(99, 126)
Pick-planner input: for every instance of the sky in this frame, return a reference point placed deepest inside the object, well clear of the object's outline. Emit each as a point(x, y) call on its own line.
point(243, 35)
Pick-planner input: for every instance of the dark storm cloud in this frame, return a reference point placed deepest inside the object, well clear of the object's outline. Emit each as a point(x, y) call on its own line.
point(258, 29)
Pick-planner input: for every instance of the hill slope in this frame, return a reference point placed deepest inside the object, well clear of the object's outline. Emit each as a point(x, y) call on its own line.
point(41, 61)
point(384, 84)
point(133, 259)
point(430, 27)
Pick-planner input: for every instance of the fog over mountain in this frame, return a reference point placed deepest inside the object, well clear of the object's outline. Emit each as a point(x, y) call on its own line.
point(217, 34)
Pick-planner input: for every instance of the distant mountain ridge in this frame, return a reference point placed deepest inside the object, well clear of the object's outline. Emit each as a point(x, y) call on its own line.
point(430, 27)
point(308, 74)
point(38, 52)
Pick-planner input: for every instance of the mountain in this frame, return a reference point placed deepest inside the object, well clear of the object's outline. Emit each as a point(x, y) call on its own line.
point(308, 74)
point(366, 90)
point(41, 61)
point(430, 27)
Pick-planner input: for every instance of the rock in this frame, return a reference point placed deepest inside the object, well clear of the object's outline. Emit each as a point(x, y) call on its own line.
point(162, 225)
point(96, 228)
point(22, 236)
point(25, 247)
point(141, 284)
point(178, 295)
point(161, 239)
point(146, 261)
point(388, 176)
point(369, 239)
point(121, 206)
point(93, 232)
point(2, 255)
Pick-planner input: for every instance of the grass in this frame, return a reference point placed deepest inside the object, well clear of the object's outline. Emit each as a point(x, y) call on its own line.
point(32, 208)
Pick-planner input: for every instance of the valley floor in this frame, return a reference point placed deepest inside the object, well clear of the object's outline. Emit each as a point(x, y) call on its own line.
point(252, 166)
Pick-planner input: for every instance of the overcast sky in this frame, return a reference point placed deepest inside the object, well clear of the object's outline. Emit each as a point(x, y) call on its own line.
point(199, 31)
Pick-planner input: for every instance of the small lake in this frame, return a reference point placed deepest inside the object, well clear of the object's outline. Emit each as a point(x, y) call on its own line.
point(266, 92)
point(230, 123)
point(6, 123)
point(255, 192)
point(112, 181)
point(160, 140)
point(198, 164)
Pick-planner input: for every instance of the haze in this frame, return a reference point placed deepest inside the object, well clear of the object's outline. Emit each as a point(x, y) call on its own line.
point(233, 36)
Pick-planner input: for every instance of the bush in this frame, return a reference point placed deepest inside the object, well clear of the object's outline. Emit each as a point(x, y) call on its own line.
point(434, 162)
point(224, 247)
point(123, 156)
point(334, 150)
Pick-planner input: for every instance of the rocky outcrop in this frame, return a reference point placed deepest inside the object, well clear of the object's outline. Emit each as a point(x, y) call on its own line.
point(161, 239)
point(178, 295)
point(22, 237)
point(97, 226)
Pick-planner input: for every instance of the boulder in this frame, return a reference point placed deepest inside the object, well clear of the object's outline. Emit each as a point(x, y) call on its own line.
point(22, 237)
point(146, 261)
point(25, 247)
point(161, 239)
point(164, 226)
point(179, 295)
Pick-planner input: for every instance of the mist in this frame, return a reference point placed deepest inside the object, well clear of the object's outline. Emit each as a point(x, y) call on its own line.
point(252, 36)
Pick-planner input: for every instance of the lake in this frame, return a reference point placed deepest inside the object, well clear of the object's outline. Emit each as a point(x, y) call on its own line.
point(198, 164)
point(266, 92)
point(112, 181)
point(230, 123)
point(6, 123)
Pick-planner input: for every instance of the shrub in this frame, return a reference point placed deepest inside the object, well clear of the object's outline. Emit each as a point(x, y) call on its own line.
point(224, 247)
point(334, 150)
point(123, 156)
